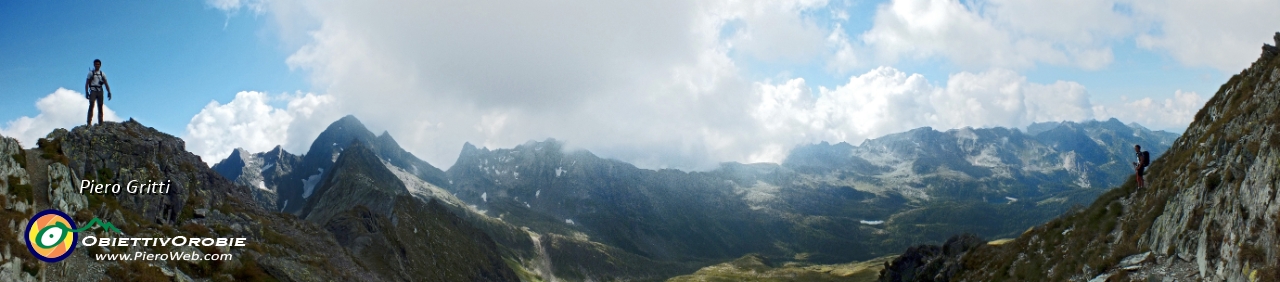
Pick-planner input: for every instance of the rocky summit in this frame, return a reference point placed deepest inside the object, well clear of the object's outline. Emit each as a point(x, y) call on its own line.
point(1210, 213)
point(355, 245)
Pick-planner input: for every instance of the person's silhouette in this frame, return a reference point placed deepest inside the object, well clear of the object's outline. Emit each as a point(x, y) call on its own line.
point(93, 86)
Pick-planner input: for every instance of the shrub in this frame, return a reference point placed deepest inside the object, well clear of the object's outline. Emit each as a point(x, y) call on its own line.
point(24, 191)
point(20, 158)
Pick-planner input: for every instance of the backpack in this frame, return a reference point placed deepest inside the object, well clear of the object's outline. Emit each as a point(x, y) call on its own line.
point(96, 79)
point(1144, 159)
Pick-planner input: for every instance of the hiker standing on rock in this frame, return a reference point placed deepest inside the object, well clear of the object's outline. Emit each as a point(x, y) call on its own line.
point(1144, 160)
point(93, 89)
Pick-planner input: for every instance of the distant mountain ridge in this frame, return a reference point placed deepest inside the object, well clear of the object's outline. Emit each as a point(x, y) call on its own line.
point(826, 202)
point(1210, 210)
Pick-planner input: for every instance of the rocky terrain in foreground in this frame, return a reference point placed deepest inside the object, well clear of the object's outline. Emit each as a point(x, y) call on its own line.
point(201, 203)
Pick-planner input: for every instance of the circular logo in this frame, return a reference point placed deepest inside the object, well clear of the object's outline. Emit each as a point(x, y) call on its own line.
point(50, 237)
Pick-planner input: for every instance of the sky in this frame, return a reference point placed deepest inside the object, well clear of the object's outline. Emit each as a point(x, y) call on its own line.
point(661, 84)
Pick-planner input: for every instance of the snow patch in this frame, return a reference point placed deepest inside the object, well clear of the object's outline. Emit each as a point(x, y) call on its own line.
point(484, 196)
point(569, 221)
point(872, 222)
point(1011, 199)
point(263, 186)
point(422, 188)
point(286, 204)
point(264, 169)
point(538, 193)
point(559, 171)
point(309, 184)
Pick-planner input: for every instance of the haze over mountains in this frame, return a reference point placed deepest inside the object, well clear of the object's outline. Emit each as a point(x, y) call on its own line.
point(825, 203)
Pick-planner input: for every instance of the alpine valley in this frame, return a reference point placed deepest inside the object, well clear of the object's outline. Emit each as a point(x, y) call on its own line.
point(556, 214)
point(358, 207)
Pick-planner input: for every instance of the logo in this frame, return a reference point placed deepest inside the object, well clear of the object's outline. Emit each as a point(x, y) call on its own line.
point(47, 235)
point(52, 234)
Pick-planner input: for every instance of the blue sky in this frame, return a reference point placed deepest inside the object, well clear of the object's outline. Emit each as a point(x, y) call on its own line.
point(165, 60)
point(684, 84)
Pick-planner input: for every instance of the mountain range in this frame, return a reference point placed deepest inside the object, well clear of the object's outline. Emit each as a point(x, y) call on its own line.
point(1209, 210)
point(826, 203)
point(359, 205)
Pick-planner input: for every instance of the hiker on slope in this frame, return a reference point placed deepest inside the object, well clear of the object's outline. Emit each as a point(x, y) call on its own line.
point(1140, 167)
point(93, 86)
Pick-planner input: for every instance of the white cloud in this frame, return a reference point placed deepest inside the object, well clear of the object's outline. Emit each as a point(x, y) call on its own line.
point(654, 83)
point(251, 123)
point(776, 30)
point(1005, 34)
point(886, 100)
point(1022, 34)
point(648, 82)
point(61, 109)
point(1173, 113)
point(1226, 35)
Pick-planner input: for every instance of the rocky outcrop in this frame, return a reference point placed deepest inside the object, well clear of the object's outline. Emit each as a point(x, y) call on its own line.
point(12, 164)
point(1270, 51)
point(1224, 216)
point(930, 262)
point(64, 192)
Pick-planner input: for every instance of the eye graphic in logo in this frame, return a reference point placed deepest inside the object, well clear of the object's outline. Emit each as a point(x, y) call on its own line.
point(51, 235)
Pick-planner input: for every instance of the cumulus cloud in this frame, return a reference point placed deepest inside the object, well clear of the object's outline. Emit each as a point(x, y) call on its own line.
point(250, 122)
point(649, 82)
point(656, 83)
point(61, 109)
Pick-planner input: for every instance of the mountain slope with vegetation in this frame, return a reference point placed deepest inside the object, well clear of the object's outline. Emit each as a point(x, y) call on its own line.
point(1210, 211)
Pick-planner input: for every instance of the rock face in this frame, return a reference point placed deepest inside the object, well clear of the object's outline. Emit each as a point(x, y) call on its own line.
point(358, 179)
point(1225, 212)
point(1211, 212)
point(298, 179)
point(64, 192)
point(262, 171)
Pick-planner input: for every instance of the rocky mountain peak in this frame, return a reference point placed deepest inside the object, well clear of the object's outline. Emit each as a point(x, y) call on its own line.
point(287, 181)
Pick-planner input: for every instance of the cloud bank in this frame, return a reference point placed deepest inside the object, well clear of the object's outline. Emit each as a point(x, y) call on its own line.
point(664, 83)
